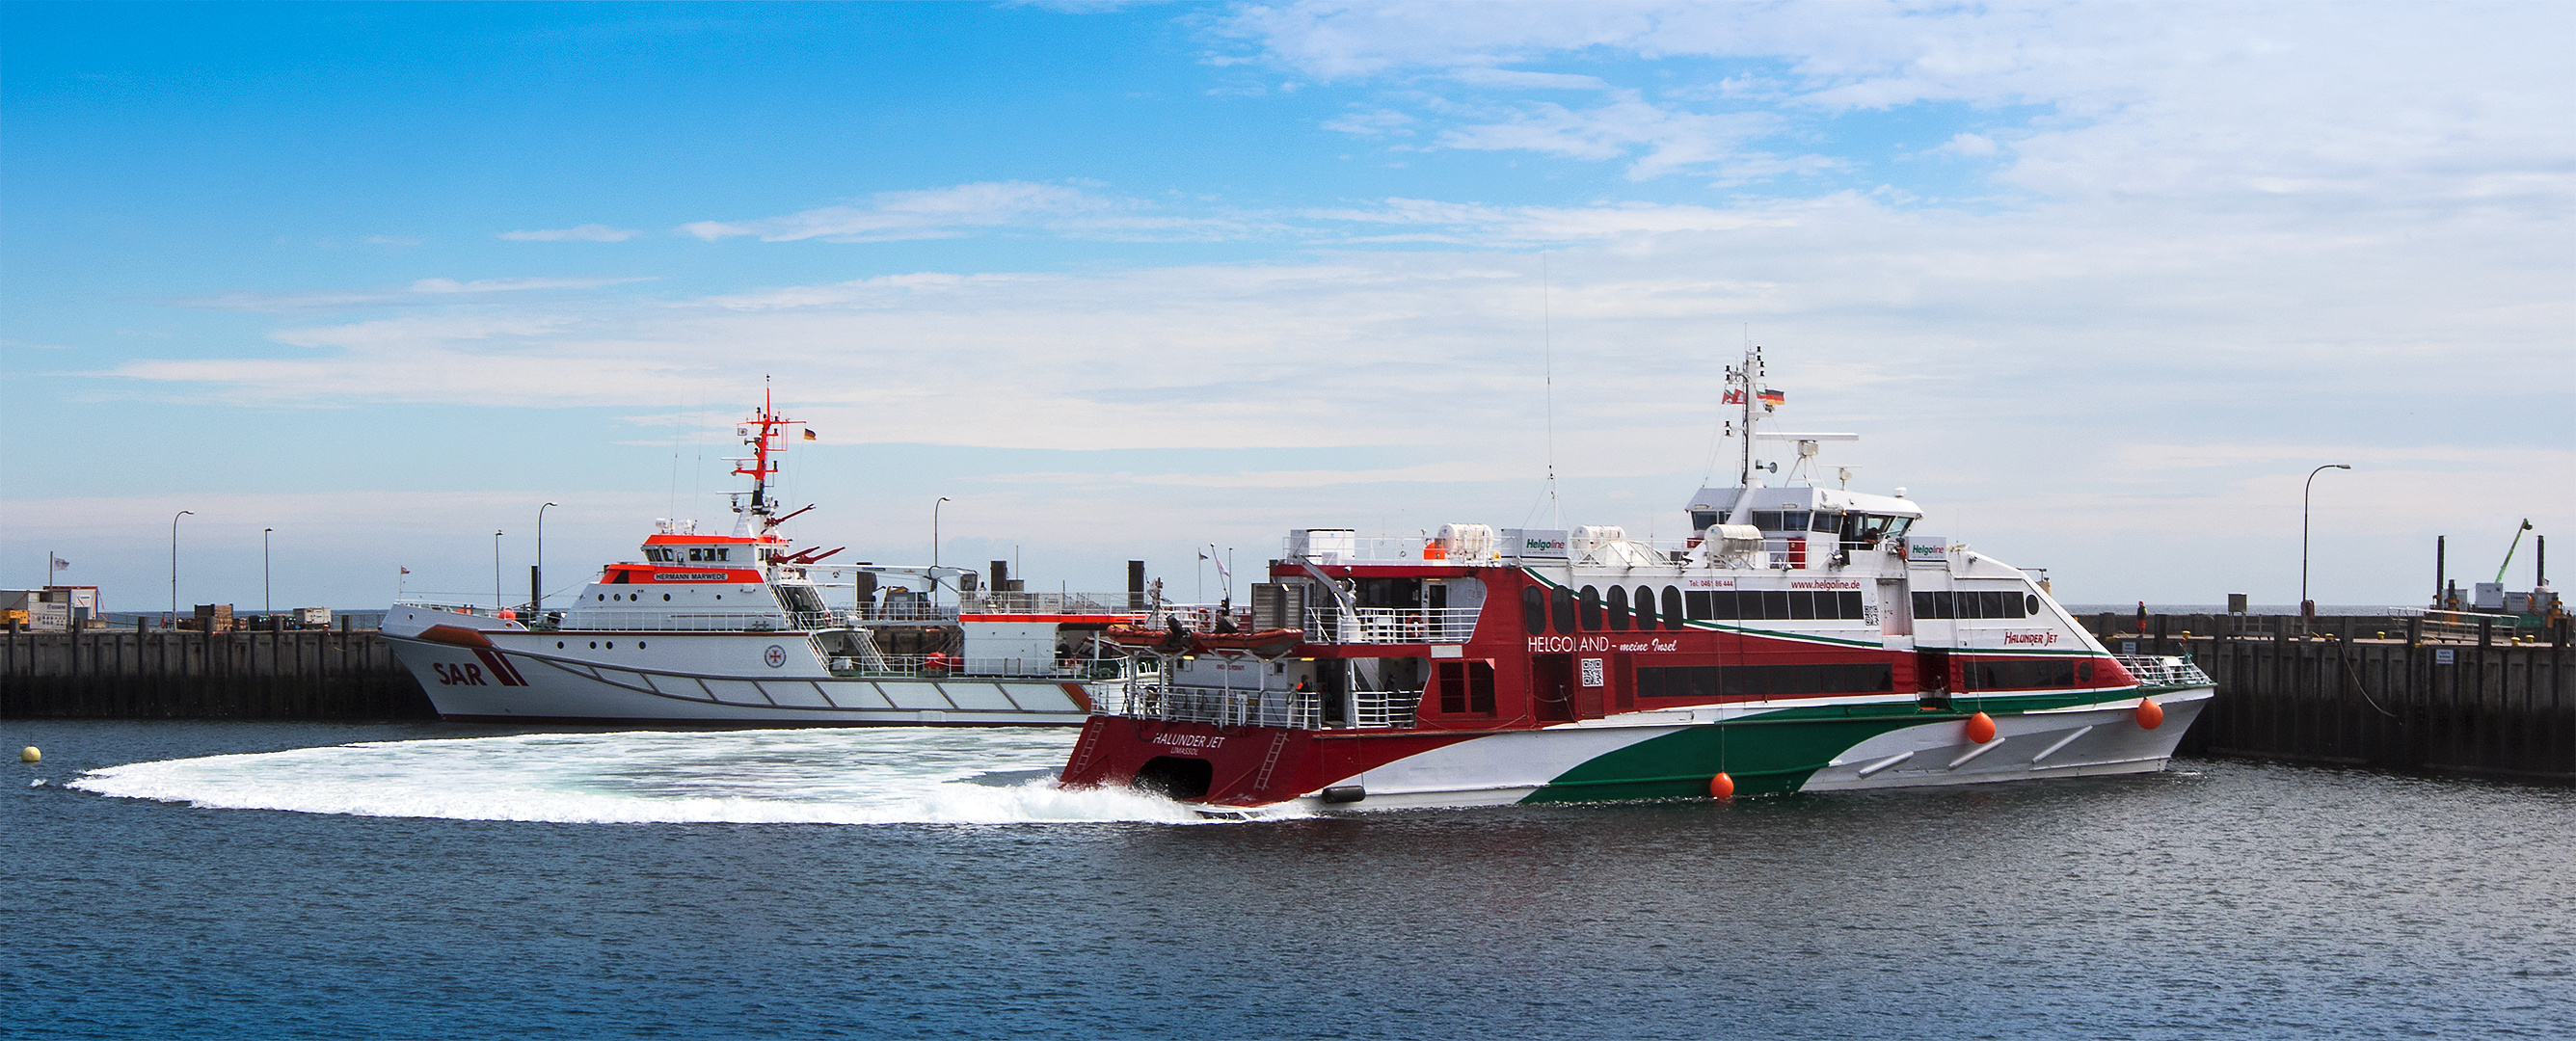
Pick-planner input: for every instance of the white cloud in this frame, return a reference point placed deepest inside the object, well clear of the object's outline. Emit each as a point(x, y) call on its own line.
point(423, 291)
point(391, 240)
point(981, 207)
point(1670, 139)
point(1965, 143)
point(582, 233)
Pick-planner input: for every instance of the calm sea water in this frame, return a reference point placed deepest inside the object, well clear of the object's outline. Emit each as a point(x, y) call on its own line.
point(447, 881)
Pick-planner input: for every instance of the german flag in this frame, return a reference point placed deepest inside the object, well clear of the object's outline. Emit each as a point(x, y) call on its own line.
point(1774, 398)
point(809, 433)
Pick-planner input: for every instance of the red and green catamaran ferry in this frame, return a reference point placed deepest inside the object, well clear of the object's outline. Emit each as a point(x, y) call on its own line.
point(1805, 638)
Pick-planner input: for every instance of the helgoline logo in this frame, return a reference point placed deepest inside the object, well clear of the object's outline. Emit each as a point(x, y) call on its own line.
point(1545, 544)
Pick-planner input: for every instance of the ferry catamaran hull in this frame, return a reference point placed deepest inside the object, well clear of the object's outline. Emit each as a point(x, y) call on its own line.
point(1805, 638)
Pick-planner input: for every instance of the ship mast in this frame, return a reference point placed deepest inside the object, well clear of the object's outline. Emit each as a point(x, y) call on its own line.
point(1742, 387)
point(762, 467)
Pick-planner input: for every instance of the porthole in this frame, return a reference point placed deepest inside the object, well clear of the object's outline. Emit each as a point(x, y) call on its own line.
point(603, 596)
point(666, 598)
point(558, 645)
point(594, 645)
point(639, 645)
point(612, 645)
point(2032, 603)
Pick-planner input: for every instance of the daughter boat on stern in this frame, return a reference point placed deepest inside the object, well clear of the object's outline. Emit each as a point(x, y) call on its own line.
point(1805, 639)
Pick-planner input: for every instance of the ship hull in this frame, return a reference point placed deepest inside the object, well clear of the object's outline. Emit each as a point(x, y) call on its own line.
point(474, 671)
point(1674, 754)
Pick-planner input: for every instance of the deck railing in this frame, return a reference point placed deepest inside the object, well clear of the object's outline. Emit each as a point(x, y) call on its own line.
point(1291, 709)
point(1384, 625)
point(941, 666)
point(2163, 670)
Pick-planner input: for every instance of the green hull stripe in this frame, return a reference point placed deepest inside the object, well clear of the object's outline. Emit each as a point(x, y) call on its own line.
point(1775, 751)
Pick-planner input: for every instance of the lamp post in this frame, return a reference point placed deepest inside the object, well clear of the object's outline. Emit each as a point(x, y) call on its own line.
point(934, 550)
point(2307, 607)
point(496, 571)
point(537, 578)
point(267, 603)
point(174, 567)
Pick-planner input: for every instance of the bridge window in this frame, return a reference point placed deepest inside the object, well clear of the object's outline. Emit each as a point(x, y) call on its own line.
point(1702, 520)
point(1617, 606)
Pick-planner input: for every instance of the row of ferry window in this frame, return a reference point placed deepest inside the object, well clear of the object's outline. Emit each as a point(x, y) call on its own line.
point(638, 596)
point(1975, 604)
point(668, 555)
point(1590, 610)
point(1764, 681)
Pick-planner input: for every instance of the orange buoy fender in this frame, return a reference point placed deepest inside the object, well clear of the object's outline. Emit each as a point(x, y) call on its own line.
point(1981, 728)
point(1721, 787)
point(2150, 714)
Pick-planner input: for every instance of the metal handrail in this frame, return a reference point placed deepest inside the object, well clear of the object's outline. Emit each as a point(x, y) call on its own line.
point(1385, 625)
point(1141, 698)
point(2152, 670)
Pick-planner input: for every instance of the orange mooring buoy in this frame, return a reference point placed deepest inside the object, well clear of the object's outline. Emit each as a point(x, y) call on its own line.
point(1721, 787)
point(1981, 728)
point(2150, 714)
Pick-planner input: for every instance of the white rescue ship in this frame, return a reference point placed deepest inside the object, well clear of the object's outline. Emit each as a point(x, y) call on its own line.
point(739, 630)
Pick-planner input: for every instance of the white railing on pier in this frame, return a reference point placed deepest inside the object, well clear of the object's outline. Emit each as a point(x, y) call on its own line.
point(2163, 670)
point(1383, 625)
point(1292, 709)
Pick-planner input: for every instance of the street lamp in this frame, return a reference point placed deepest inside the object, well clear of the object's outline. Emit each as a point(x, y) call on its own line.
point(2307, 607)
point(537, 578)
point(267, 602)
point(934, 531)
point(173, 617)
point(496, 571)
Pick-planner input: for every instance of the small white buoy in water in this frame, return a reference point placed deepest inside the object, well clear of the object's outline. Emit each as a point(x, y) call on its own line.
point(30, 754)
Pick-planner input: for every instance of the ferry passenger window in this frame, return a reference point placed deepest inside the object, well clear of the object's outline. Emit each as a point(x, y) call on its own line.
point(1677, 681)
point(1617, 606)
point(1699, 604)
point(1672, 609)
point(1534, 610)
point(1591, 609)
point(1990, 604)
point(1645, 607)
point(1560, 604)
point(724, 554)
point(1466, 687)
point(1775, 604)
point(1802, 605)
point(2084, 673)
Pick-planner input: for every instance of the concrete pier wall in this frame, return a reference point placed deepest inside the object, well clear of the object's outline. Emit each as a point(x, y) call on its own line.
point(177, 674)
point(2374, 692)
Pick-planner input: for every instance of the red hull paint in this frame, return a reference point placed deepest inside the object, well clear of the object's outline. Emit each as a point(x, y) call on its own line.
point(1114, 750)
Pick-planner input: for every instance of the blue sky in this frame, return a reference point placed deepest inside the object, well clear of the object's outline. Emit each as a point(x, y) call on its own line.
point(2098, 283)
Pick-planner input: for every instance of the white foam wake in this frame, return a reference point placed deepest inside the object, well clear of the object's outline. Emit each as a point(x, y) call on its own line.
point(857, 776)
